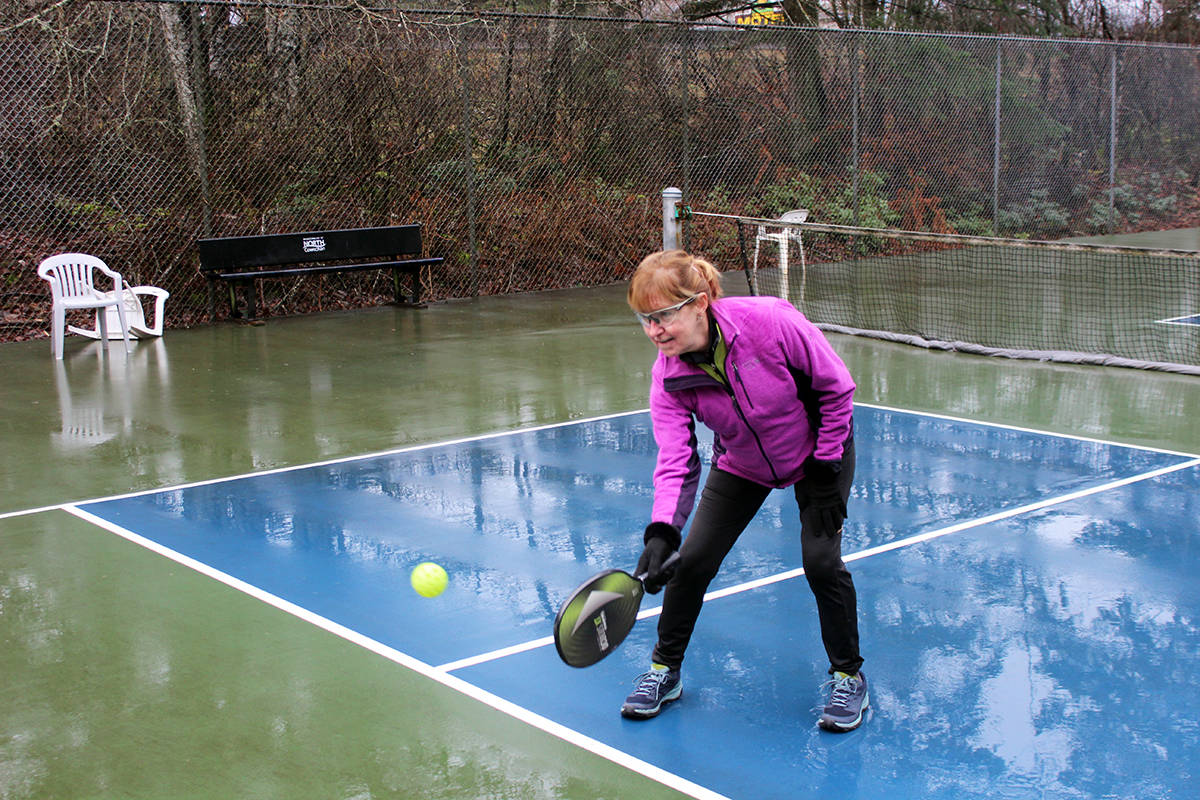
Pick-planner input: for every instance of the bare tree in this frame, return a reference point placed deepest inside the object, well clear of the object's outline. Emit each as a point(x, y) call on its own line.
point(181, 35)
point(1181, 21)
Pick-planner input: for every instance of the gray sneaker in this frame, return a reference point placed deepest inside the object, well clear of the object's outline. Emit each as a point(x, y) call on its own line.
point(653, 690)
point(848, 700)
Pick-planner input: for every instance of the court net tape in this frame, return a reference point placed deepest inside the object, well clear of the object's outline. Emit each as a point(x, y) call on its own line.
point(1050, 301)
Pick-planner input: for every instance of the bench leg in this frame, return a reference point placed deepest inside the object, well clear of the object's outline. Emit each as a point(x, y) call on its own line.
point(397, 289)
point(251, 300)
point(414, 275)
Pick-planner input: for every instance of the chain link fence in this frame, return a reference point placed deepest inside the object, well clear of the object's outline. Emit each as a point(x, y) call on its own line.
point(533, 148)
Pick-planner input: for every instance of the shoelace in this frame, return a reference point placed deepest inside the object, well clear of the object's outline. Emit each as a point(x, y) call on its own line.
point(843, 690)
point(649, 683)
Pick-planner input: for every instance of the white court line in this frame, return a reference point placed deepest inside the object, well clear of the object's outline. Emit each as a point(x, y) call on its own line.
point(329, 462)
point(1186, 320)
point(513, 650)
point(549, 426)
point(1020, 429)
point(758, 583)
point(416, 665)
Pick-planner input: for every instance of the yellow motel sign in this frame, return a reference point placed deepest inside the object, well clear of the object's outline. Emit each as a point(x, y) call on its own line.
point(760, 15)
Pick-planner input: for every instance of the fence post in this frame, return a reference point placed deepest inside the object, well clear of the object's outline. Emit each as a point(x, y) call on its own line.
point(468, 159)
point(687, 116)
point(854, 169)
point(672, 226)
point(996, 150)
point(1112, 139)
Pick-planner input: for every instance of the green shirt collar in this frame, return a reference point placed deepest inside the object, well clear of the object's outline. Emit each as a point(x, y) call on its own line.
point(711, 360)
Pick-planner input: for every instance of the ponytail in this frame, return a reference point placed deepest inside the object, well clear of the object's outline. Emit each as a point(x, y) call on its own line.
point(671, 276)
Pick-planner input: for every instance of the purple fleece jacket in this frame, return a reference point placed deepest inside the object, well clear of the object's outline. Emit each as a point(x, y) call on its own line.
point(790, 397)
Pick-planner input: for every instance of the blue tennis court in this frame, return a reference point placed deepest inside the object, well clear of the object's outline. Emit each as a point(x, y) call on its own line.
point(1192, 319)
point(1027, 602)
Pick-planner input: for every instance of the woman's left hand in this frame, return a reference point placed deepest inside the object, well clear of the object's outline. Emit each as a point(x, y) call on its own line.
point(825, 496)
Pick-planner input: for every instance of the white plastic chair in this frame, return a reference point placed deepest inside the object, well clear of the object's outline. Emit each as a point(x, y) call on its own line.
point(135, 315)
point(72, 284)
point(782, 238)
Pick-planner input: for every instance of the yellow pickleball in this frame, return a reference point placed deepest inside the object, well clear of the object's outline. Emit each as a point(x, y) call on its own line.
point(429, 579)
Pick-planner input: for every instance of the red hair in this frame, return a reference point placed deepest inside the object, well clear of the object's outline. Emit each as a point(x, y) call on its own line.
point(669, 276)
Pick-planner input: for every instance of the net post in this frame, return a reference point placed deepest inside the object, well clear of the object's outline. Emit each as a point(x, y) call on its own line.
point(672, 224)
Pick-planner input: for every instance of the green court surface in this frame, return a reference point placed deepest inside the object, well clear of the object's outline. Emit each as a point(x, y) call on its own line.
point(128, 676)
point(1175, 239)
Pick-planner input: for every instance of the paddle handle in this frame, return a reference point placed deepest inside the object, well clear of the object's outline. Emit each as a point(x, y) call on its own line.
point(671, 559)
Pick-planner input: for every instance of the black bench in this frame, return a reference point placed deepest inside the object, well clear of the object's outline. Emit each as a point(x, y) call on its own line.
point(242, 260)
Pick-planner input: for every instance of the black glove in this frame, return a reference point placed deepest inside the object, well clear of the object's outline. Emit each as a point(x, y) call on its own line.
point(661, 541)
point(825, 498)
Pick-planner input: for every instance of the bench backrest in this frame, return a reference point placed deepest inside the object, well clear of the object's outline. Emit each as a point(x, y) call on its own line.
point(299, 248)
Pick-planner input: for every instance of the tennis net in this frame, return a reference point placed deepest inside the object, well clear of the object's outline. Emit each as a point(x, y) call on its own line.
point(1050, 301)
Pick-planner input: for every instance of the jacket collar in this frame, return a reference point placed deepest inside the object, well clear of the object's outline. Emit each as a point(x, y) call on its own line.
point(708, 356)
point(687, 364)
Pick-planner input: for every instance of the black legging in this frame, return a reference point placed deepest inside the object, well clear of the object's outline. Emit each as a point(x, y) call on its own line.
point(727, 505)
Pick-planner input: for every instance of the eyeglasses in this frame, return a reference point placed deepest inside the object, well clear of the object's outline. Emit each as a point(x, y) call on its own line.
point(664, 316)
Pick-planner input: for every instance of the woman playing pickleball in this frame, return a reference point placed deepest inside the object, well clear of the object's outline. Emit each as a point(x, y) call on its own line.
point(779, 402)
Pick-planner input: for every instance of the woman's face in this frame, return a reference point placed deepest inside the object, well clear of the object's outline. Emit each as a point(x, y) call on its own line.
point(677, 328)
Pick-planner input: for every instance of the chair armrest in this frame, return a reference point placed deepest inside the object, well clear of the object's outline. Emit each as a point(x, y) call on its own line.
point(159, 295)
point(118, 281)
point(151, 290)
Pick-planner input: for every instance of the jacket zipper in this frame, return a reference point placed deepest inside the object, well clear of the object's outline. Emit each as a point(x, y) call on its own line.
point(737, 373)
point(742, 416)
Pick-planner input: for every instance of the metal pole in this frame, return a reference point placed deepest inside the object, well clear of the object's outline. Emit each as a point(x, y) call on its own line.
point(996, 151)
point(687, 115)
point(672, 226)
point(468, 161)
point(1112, 140)
point(854, 122)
